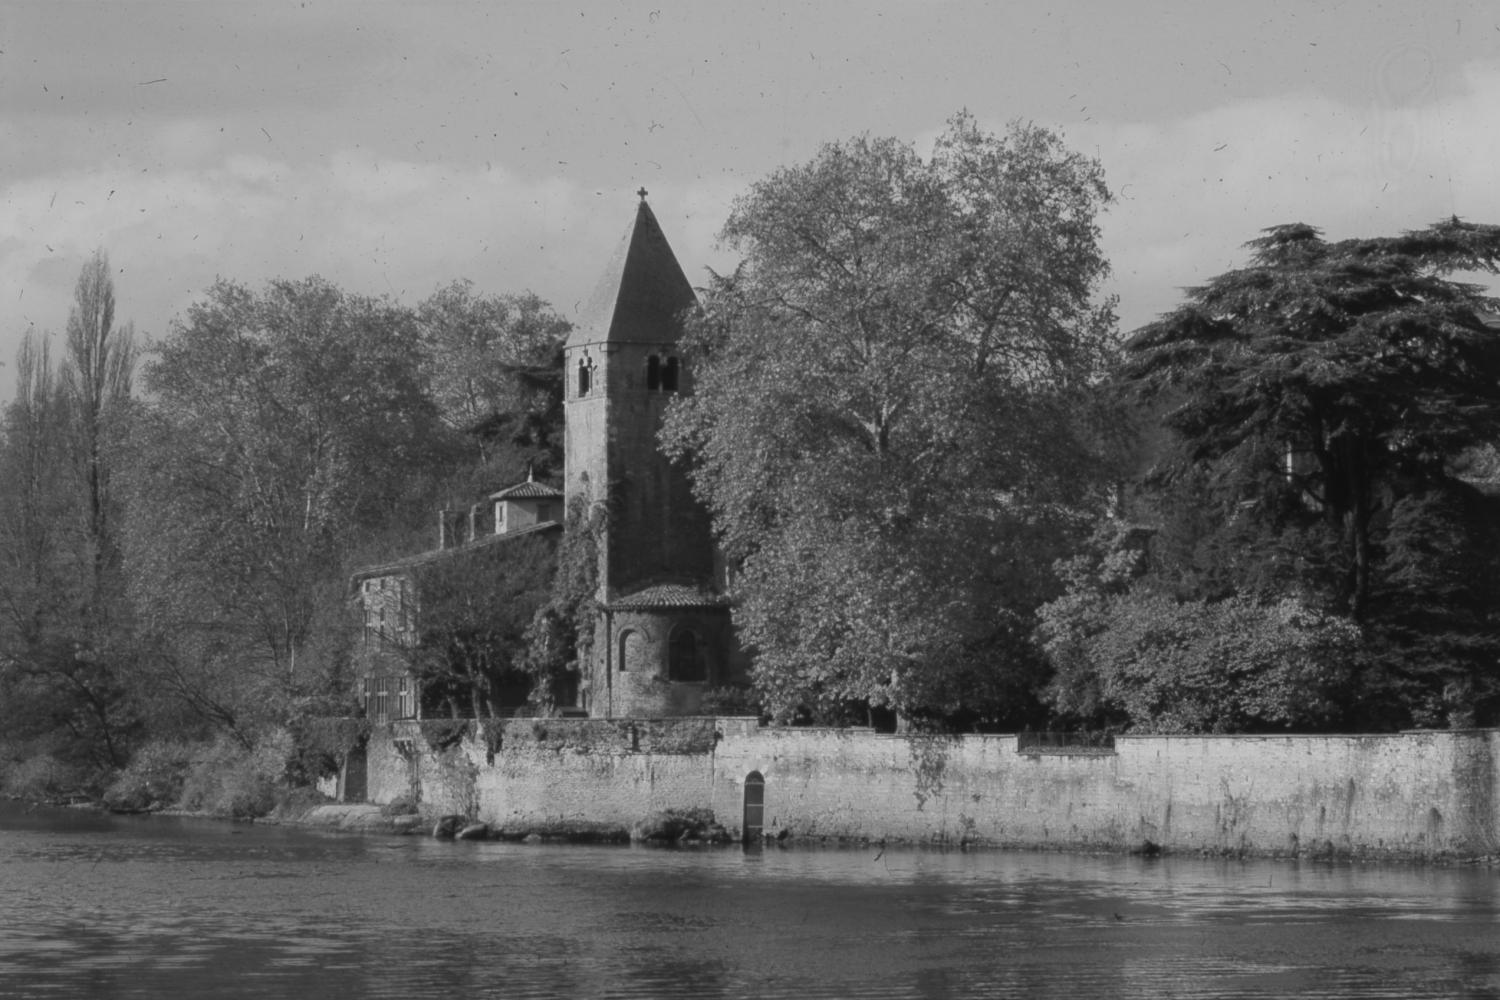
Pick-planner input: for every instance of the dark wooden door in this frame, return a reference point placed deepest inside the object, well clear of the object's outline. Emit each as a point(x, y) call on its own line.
point(356, 775)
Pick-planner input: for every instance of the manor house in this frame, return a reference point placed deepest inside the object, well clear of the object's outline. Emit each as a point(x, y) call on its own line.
point(661, 635)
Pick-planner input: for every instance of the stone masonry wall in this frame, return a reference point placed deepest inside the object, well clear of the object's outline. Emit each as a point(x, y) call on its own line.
point(1410, 794)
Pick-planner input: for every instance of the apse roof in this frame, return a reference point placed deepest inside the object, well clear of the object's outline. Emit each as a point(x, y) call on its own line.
point(670, 595)
point(643, 293)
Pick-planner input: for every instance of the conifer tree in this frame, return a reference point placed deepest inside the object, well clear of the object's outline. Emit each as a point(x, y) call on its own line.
point(1320, 400)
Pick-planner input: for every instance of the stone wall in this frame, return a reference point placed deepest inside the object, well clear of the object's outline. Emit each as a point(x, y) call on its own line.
point(1409, 794)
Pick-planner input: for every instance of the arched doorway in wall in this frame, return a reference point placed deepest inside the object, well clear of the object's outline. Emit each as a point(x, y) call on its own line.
point(755, 808)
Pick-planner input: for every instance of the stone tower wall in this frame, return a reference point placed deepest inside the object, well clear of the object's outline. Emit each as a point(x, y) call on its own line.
point(659, 530)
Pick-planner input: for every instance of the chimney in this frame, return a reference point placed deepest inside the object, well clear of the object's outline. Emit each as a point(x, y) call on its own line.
point(445, 529)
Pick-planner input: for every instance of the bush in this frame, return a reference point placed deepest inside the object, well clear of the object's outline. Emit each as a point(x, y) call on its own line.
point(153, 779)
point(225, 780)
point(42, 778)
point(730, 701)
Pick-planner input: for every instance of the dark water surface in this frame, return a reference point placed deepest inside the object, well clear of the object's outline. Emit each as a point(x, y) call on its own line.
point(94, 906)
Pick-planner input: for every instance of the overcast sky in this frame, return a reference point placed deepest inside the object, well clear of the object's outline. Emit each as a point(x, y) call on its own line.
point(393, 148)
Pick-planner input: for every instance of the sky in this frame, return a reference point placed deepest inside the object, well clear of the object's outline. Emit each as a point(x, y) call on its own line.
point(395, 148)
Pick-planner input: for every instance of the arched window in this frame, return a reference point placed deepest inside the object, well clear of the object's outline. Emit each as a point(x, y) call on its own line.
point(670, 375)
point(685, 659)
point(653, 373)
point(585, 377)
point(630, 650)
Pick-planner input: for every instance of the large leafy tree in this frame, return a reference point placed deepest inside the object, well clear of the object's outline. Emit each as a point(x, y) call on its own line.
point(889, 413)
point(1319, 401)
point(284, 424)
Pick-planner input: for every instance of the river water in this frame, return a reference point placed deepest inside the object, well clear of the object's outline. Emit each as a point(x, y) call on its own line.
point(93, 906)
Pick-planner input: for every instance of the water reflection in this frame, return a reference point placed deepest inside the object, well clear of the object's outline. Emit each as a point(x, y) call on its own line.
point(97, 906)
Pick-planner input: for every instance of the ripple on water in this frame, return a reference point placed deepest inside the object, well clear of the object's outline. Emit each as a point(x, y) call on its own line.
point(146, 910)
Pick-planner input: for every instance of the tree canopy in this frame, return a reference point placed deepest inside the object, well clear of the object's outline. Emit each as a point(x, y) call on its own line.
point(65, 617)
point(889, 422)
point(1319, 401)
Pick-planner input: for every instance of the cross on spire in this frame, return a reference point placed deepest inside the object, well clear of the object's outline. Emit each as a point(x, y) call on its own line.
point(642, 193)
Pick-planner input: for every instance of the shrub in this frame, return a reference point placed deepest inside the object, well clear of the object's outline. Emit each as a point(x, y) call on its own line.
point(153, 779)
point(41, 778)
point(226, 780)
point(730, 701)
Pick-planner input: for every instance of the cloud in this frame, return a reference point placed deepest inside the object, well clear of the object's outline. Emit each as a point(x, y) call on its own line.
point(374, 225)
point(1192, 191)
point(179, 206)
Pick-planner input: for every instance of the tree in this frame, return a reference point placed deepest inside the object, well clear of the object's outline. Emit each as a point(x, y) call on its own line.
point(1129, 654)
point(283, 424)
point(475, 610)
point(65, 650)
point(96, 378)
point(1318, 400)
point(495, 367)
point(59, 686)
point(890, 412)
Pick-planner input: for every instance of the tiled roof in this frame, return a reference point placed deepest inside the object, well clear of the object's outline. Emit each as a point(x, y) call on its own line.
point(641, 298)
point(528, 490)
point(670, 595)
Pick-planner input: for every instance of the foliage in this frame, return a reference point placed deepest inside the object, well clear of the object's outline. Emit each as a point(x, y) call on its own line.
point(730, 700)
point(154, 778)
point(96, 380)
point(321, 742)
point(561, 634)
point(281, 426)
point(40, 776)
point(495, 367)
point(228, 779)
point(890, 419)
point(66, 654)
point(477, 607)
point(1319, 402)
point(1127, 653)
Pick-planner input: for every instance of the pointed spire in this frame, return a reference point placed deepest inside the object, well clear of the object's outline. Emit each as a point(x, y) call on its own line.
point(643, 292)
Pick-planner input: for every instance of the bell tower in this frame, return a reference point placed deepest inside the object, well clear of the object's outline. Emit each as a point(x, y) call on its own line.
point(662, 636)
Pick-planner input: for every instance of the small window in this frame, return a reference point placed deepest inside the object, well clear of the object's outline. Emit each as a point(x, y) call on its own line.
point(670, 375)
point(406, 699)
point(685, 660)
point(653, 373)
point(544, 512)
point(585, 377)
point(630, 651)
